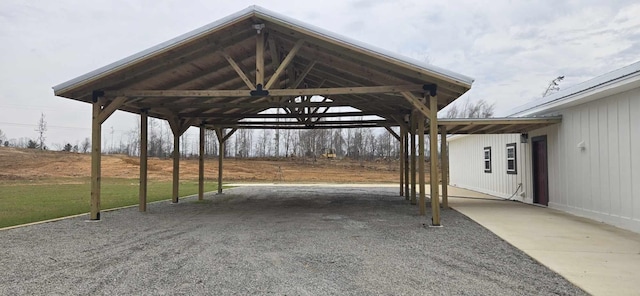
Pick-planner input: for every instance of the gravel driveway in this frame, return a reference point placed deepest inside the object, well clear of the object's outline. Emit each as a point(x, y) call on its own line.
point(271, 240)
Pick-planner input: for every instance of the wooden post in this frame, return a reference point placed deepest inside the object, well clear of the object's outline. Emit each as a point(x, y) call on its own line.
point(96, 154)
point(260, 59)
point(423, 205)
point(220, 134)
point(142, 203)
point(433, 141)
point(444, 166)
point(176, 166)
point(402, 156)
point(406, 164)
point(413, 158)
point(201, 165)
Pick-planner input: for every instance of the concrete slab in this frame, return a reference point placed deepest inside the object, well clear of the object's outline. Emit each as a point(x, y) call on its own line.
point(599, 258)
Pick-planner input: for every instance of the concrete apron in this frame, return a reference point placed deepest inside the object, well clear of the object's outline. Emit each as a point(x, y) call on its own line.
point(599, 258)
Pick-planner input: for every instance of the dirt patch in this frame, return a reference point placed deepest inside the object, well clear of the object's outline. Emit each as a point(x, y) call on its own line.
point(31, 164)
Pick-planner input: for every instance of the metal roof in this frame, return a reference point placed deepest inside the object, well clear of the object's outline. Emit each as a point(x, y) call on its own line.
point(604, 85)
point(210, 59)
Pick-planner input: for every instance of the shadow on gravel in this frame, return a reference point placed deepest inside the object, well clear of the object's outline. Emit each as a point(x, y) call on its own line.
point(271, 240)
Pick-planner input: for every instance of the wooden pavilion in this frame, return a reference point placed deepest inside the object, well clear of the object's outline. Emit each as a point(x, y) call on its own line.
point(228, 74)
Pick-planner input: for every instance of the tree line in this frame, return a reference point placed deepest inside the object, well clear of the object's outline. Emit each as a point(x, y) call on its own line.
point(358, 144)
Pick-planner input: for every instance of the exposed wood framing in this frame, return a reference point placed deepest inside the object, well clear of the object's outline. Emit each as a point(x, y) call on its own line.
point(444, 166)
point(176, 168)
point(393, 133)
point(272, 93)
point(260, 58)
point(417, 104)
point(304, 73)
point(238, 70)
point(403, 143)
point(412, 133)
point(96, 154)
point(110, 108)
point(144, 123)
point(201, 163)
point(285, 63)
point(331, 122)
point(422, 200)
point(221, 139)
point(406, 163)
point(433, 172)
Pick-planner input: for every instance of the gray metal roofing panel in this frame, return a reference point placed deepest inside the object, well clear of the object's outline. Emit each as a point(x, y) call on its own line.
point(567, 94)
point(266, 13)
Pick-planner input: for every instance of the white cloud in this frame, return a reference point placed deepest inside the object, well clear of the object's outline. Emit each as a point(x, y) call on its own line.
point(512, 48)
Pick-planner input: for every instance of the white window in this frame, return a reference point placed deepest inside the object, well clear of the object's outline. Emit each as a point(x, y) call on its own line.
point(487, 159)
point(511, 159)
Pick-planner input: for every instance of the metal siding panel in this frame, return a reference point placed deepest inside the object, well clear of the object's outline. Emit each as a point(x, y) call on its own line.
point(603, 161)
point(626, 197)
point(593, 149)
point(614, 156)
point(634, 116)
point(584, 168)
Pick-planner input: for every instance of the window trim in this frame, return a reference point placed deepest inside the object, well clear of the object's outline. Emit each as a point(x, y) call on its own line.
point(485, 159)
point(515, 159)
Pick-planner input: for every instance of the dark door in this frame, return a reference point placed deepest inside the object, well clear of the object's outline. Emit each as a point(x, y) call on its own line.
point(540, 171)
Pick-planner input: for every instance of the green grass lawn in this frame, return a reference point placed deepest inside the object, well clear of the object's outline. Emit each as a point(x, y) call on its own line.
point(25, 202)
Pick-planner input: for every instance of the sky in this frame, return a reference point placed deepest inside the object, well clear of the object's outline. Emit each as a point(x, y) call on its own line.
point(513, 49)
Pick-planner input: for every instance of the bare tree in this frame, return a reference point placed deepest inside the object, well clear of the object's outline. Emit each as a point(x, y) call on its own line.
point(85, 145)
point(479, 109)
point(42, 128)
point(3, 137)
point(554, 86)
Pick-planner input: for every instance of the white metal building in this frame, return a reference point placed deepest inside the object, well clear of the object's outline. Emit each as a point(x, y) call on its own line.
point(587, 165)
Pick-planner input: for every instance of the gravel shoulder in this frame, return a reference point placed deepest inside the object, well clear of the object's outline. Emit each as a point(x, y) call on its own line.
point(271, 240)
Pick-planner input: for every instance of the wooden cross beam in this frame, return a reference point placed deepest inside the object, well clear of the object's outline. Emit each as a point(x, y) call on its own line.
point(270, 93)
point(238, 70)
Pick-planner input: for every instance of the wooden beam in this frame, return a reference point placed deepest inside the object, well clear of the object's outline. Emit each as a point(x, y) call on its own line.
point(285, 63)
point(273, 115)
point(406, 163)
point(444, 166)
point(433, 141)
point(332, 122)
point(186, 124)
point(238, 70)
point(144, 123)
point(300, 127)
point(176, 168)
point(417, 104)
point(304, 74)
point(96, 153)
point(110, 108)
point(403, 143)
point(272, 93)
point(220, 136)
point(412, 132)
point(260, 58)
point(201, 164)
point(423, 204)
point(228, 135)
point(393, 133)
point(507, 120)
point(400, 121)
